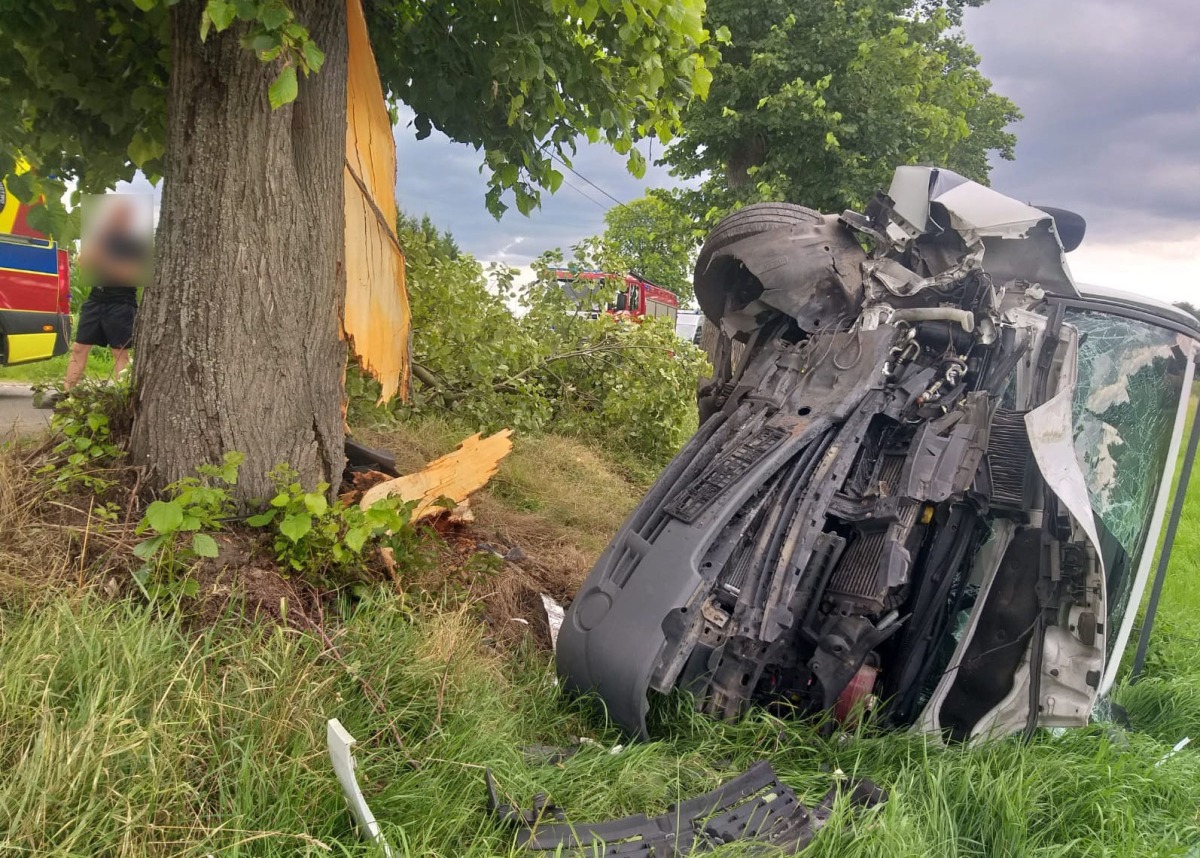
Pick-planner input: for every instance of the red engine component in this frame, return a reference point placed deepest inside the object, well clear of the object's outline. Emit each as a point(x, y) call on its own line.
point(856, 696)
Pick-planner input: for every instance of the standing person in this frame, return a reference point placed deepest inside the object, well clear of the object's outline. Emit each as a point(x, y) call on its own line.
point(116, 255)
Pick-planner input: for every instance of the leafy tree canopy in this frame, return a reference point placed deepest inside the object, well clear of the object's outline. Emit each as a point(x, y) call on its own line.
point(424, 232)
point(651, 236)
point(816, 103)
point(83, 82)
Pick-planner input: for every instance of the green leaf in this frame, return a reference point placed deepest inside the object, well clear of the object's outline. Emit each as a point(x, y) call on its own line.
point(143, 148)
point(21, 187)
point(587, 14)
point(221, 13)
point(261, 42)
point(145, 5)
point(316, 503)
point(204, 545)
point(356, 537)
point(283, 90)
point(146, 550)
point(636, 163)
point(190, 588)
point(295, 526)
point(313, 55)
point(274, 14)
point(164, 517)
point(262, 519)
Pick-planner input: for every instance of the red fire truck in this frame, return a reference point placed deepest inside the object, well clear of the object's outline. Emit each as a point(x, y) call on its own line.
point(35, 289)
point(636, 295)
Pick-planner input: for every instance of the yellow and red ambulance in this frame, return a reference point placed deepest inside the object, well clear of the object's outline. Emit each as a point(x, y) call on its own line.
point(35, 289)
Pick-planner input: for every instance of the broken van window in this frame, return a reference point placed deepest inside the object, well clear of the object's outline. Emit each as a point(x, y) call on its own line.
point(1125, 403)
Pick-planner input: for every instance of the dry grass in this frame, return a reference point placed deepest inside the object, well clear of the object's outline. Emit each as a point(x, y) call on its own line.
point(37, 554)
point(552, 489)
point(554, 498)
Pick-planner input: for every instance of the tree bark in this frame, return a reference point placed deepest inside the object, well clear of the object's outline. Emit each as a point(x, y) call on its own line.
point(238, 345)
point(710, 344)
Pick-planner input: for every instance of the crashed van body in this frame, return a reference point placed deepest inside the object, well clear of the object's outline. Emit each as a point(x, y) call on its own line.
point(932, 481)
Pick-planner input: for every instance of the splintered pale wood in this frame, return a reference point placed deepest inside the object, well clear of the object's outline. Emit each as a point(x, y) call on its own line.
point(456, 475)
point(376, 318)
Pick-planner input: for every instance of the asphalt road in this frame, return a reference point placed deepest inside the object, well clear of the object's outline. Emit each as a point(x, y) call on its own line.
point(17, 414)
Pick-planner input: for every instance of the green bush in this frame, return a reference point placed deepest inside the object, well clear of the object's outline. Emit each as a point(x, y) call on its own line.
point(181, 523)
point(630, 386)
point(328, 541)
point(92, 423)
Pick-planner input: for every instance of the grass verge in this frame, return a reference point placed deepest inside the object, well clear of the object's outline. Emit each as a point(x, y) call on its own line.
point(187, 745)
point(125, 732)
point(99, 365)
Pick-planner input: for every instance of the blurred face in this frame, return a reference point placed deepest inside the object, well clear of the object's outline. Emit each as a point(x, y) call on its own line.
point(120, 216)
point(126, 214)
point(117, 238)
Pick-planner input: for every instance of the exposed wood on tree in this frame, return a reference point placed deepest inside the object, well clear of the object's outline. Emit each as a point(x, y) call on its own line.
point(376, 318)
point(455, 476)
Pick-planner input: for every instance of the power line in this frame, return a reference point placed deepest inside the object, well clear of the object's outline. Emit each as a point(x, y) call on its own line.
point(582, 193)
point(585, 178)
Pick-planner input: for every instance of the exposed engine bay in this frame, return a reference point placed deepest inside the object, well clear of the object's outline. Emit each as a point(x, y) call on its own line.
point(884, 505)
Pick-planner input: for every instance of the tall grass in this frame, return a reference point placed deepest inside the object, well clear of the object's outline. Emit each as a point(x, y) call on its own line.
point(123, 733)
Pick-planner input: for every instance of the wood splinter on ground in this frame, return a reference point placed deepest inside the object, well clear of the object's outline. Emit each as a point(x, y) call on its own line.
point(456, 476)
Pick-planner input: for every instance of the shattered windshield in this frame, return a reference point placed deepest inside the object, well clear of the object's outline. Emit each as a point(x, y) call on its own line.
point(1126, 399)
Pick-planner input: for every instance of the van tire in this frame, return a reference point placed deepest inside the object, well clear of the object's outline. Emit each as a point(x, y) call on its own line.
point(752, 220)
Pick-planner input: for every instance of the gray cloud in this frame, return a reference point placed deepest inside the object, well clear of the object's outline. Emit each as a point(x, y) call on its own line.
point(1110, 90)
point(441, 178)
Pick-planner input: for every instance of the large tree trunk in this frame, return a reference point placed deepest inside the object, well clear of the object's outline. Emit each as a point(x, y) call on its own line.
point(238, 345)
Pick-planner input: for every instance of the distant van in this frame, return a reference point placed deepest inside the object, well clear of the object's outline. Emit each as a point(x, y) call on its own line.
point(688, 324)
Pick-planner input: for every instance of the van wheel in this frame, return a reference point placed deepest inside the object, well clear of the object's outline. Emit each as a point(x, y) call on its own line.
point(743, 223)
point(751, 220)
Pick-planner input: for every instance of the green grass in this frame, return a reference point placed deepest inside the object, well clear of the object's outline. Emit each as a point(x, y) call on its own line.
point(100, 364)
point(124, 734)
point(190, 746)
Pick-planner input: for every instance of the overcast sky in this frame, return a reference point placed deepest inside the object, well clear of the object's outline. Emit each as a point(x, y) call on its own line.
point(1110, 90)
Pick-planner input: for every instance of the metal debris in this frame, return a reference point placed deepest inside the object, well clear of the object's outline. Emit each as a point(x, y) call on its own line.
point(340, 742)
point(554, 618)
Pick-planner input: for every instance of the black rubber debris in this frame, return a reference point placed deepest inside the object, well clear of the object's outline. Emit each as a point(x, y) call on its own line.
point(754, 807)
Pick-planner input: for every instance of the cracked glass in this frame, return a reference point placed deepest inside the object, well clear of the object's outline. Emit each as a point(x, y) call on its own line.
point(1126, 399)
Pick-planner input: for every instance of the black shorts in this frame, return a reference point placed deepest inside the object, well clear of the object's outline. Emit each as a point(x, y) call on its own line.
point(106, 324)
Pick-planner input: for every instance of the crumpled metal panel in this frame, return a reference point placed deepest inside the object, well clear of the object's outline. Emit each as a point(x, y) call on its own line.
point(1020, 241)
point(376, 319)
point(811, 273)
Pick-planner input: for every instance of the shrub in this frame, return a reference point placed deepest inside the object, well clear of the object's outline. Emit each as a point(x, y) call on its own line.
point(328, 541)
point(93, 422)
point(628, 385)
